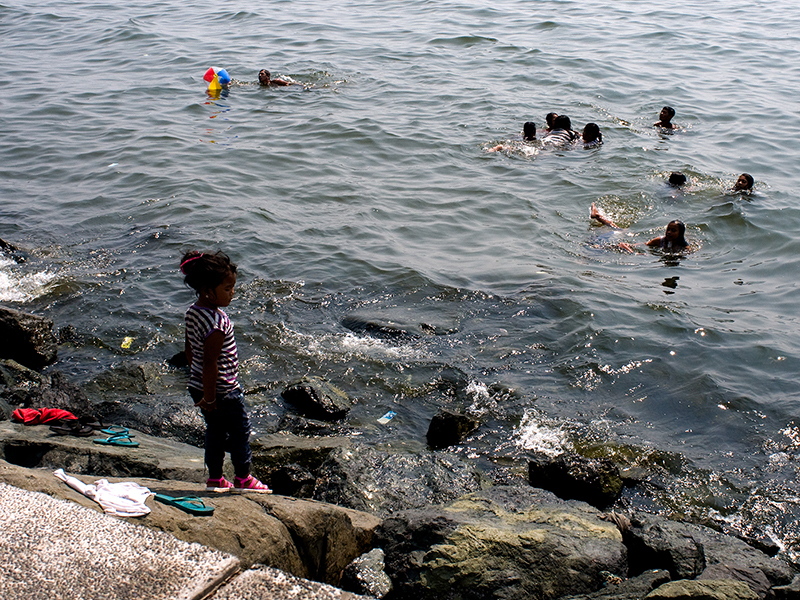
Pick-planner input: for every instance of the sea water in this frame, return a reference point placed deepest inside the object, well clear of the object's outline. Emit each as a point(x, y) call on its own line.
point(380, 243)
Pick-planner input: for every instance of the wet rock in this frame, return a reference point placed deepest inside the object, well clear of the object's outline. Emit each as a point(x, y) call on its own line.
point(166, 416)
point(690, 551)
point(634, 588)
point(307, 427)
point(365, 575)
point(385, 331)
point(503, 542)
point(448, 429)
point(25, 387)
point(5, 410)
point(656, 543)
point(383, 482)
point(317, 398)
point(292, 480)
point(574, 477)
point(702, 590)
point(27, 339)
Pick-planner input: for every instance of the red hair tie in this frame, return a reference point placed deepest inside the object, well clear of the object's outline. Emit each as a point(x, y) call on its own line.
point(188, 260)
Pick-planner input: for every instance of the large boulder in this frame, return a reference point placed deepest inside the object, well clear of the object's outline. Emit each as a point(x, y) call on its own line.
point(27, 339)
point(365, 575)
point(694, 551)
point(574, 477)
point(22, 386)
point(503, 542)
point(317, 398)
point(383, 482)
point(634, 588)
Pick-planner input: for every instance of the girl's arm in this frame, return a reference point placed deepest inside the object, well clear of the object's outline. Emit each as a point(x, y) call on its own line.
point(654, 243)
point(211, 351)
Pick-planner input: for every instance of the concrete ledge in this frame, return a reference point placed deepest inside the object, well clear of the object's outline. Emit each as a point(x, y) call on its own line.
point(262, 582)
point(55, 549)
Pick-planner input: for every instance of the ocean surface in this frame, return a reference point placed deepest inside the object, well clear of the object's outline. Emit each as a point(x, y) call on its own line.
point(381, 245)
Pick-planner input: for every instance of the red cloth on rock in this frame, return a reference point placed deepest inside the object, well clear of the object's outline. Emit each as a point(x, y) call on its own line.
point(37, 416)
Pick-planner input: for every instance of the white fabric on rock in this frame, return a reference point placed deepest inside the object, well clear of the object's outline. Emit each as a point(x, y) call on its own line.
point(124, 499)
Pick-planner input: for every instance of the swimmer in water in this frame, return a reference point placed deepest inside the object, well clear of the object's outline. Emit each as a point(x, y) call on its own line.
point(592, 136)
point(561, 133)
point(528, 135)
point(665, 118)
point(264, 80)
point(676, 179)
point(744, 183)
point(673, 238)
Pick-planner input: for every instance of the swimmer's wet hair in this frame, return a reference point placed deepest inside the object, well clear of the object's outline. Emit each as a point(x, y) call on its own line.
point(592, 130)
point(529, 130)
point(677, 178)
point(206, 271)
point(670, 111)
point(749, 178)
point(681, 230)
point(562, 122)
point(550, 118)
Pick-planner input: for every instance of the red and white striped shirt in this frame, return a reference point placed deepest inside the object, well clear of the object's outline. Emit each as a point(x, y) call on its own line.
point(200, 323)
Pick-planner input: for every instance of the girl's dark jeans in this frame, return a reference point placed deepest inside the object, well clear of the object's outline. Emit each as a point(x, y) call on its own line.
point(227, 430)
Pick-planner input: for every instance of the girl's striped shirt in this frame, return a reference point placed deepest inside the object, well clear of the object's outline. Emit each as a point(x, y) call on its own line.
point(200, 323)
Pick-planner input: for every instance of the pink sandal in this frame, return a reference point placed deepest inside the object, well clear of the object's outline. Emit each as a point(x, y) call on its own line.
point(249, 484)
point(218, 485)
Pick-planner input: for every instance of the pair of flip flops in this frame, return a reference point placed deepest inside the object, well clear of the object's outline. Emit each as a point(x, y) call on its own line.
point(189, 504)
point(118, 436)
point(72, 427)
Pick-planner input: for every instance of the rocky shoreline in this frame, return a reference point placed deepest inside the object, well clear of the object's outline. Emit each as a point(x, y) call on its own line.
point(382, 522)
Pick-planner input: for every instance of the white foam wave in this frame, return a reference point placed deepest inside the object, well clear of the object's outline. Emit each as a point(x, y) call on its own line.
point(534, 435)
point(21, 287)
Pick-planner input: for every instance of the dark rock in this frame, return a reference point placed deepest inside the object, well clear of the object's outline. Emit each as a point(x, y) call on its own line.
point(179, 360)
point(790, 591)
point(383, 482)
point(657, 543)
point(574, 477)
point(5, 410)
point(292, 480)
point(69, 335)
point(317, 398)
point(13, 252)
point(503, 542)
point(272, 453)
point(366, 576)
point(27, 339)
point(22, 386)
point(634, 588)
point(309, 427)
point(384, 331)
point(448, 429)
point(702, 590)
point(159, 415)
point(690, 551)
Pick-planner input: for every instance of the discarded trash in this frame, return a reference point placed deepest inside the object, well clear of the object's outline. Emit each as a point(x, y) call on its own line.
point(126, 343)
point(387, 417)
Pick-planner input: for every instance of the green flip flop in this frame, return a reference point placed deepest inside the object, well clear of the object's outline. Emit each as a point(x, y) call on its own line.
point(189, 504)
point(120, 439)
point(117, 430)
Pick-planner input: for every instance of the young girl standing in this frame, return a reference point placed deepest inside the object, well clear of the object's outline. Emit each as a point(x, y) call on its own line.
point(214, 365)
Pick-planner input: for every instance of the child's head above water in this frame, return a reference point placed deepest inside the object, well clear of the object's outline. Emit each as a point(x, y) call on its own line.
point(263, 77)
point(674, 235)
point(529, 131)
point(550, 119)
point(591, 133)
point(206, 271)
point(666, 114)
point(562, 122)
point(744, 183)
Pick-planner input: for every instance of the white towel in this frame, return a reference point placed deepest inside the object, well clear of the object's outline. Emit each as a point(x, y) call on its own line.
point(124, 499)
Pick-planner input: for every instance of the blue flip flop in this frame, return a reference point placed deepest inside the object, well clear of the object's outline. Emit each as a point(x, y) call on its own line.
point(189, 504)
point(119, 439)
point(116, 430)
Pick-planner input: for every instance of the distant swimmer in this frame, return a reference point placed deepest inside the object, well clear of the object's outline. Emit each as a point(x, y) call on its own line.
point(592, 136)
point(264, 80)
point(673, 238)
point(676, 179)
point(528, 135)
point(562, 133)
point(550, 119)
point(744, 183)
point(665, 118)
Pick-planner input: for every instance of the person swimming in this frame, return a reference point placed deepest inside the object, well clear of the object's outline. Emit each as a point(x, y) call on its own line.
point(528, 135)
point(550, 119)
point(264, 79)
point(562, 133)
point(744, 183)
point(592, 136)
point(676, 179)
point(673, 238)
point(665, 118)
